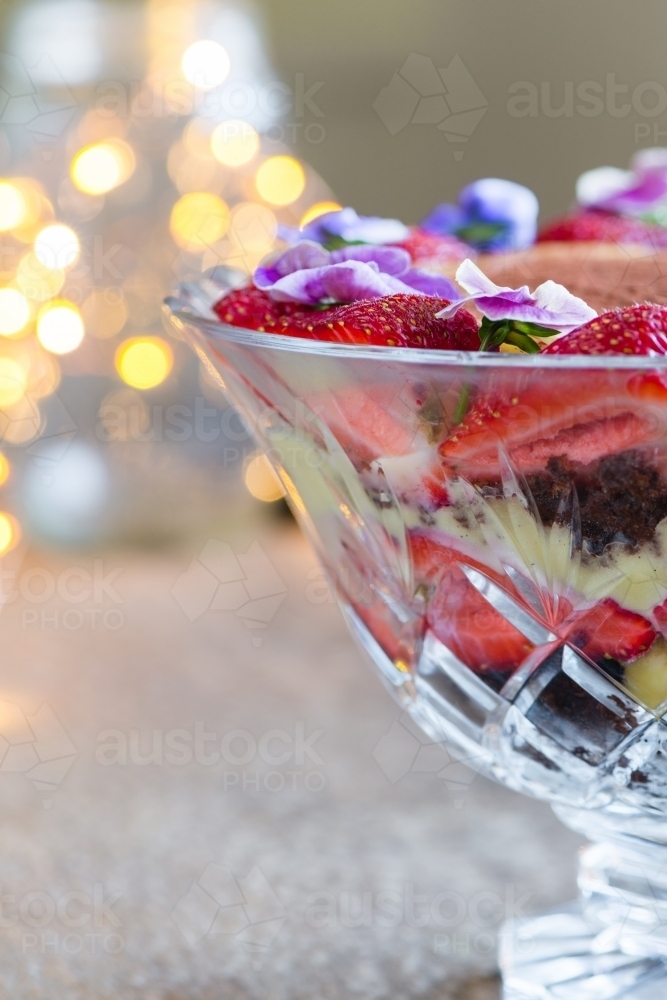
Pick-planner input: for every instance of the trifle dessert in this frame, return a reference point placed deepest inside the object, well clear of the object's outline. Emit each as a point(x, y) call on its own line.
point(483, 472)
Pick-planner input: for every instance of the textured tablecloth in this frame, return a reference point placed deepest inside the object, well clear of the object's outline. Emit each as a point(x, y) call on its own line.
point(196, 807)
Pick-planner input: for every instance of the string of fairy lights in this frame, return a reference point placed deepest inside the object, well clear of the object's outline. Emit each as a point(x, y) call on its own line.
point(228, 188)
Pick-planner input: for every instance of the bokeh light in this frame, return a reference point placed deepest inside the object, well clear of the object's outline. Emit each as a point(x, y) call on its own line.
point(5, 469)
point(144, 362)
point(60, 327)
point(100, 168)
point(104, 312)
point(254, 227)
point(57, 247)
point(24, 421)
point(205, 64)
point(280, 180)
point(199, 219)
point(234, 143)
point(13, 208)
point(318, 209)
point(13, 381)
point(43, 374)
point(14, 312)
point(261, 481)
point(35, 280)
point(38, 209)
point(10, 533)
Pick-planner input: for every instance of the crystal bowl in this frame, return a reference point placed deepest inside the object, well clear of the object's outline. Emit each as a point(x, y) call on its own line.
point(494, 528)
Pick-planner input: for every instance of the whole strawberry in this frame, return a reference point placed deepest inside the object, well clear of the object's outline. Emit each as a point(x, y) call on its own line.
point(640, 329)
point(603, 227)
point(254, 309)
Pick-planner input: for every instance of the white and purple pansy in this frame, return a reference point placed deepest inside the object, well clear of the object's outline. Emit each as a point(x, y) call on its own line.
point(346, 226)
point(635, 192)
point(516, 315)
point(309, 274)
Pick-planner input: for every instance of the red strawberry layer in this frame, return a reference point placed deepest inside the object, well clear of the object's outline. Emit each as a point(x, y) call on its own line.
point(609, 632)
point(603, 227)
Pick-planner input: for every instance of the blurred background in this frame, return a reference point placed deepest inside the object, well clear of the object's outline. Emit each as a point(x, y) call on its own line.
point(143, 142)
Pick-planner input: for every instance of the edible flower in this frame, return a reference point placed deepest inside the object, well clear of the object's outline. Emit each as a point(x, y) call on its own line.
point(491, 214)
point(640, 191)
point(516, 315)
point(309, 274)
point(344, 227)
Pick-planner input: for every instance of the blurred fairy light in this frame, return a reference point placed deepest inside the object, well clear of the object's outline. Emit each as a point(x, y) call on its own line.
point(13, 381)
point(10, 533)
point(5, 469)
point(103, 166)
point(60, 327)
point(234, 143)
point(14, 312)
point(38, 282)
point(261, 481)
point(319, 208)
point(13, 208)
point(199, 219)
point(144, 362)
point(254, 228)
point(43, 375)
point(205, 64)
point(57, 247)
point(280, 180)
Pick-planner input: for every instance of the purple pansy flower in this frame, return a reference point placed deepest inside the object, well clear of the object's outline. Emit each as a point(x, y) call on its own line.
point(310, 274)
point(550, 306)
point(345, 226)
point(491, 214)
point(626, 192)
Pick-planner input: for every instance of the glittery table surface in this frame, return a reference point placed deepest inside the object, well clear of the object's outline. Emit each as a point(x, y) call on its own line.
point(198, 807)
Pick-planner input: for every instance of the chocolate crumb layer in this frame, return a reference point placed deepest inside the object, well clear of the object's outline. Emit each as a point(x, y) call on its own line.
point(621, 498)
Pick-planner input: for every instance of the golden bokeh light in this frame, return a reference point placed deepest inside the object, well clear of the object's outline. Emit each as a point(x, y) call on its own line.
point(234, 143)
point(205, 64)
point(144, 362)
point(280, 180)
point(43, 375)
point(254, 227)
point(5, 469)
point(197, 139)
point(13, 381)
point(14, 312)
point(57, 247)
point(199, 219)
point(38, 209)
point(100, 168)
point(10, 533)
point(60, 327)
point(318, 209)
point(24, 421)
point(35, 280)
point(261, 481)
point(13, 208)
point(104, 312)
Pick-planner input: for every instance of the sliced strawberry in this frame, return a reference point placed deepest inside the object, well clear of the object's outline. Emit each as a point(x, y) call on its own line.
point(602, 227)
point(430, 248)
point(609, 632)
point(399, 321)
point(564, 415)
point(660, 617)
point(640, 329)
point(368, 421)
point(474, 631)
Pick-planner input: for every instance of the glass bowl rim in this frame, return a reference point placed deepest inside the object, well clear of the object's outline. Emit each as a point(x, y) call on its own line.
point(183, 315)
